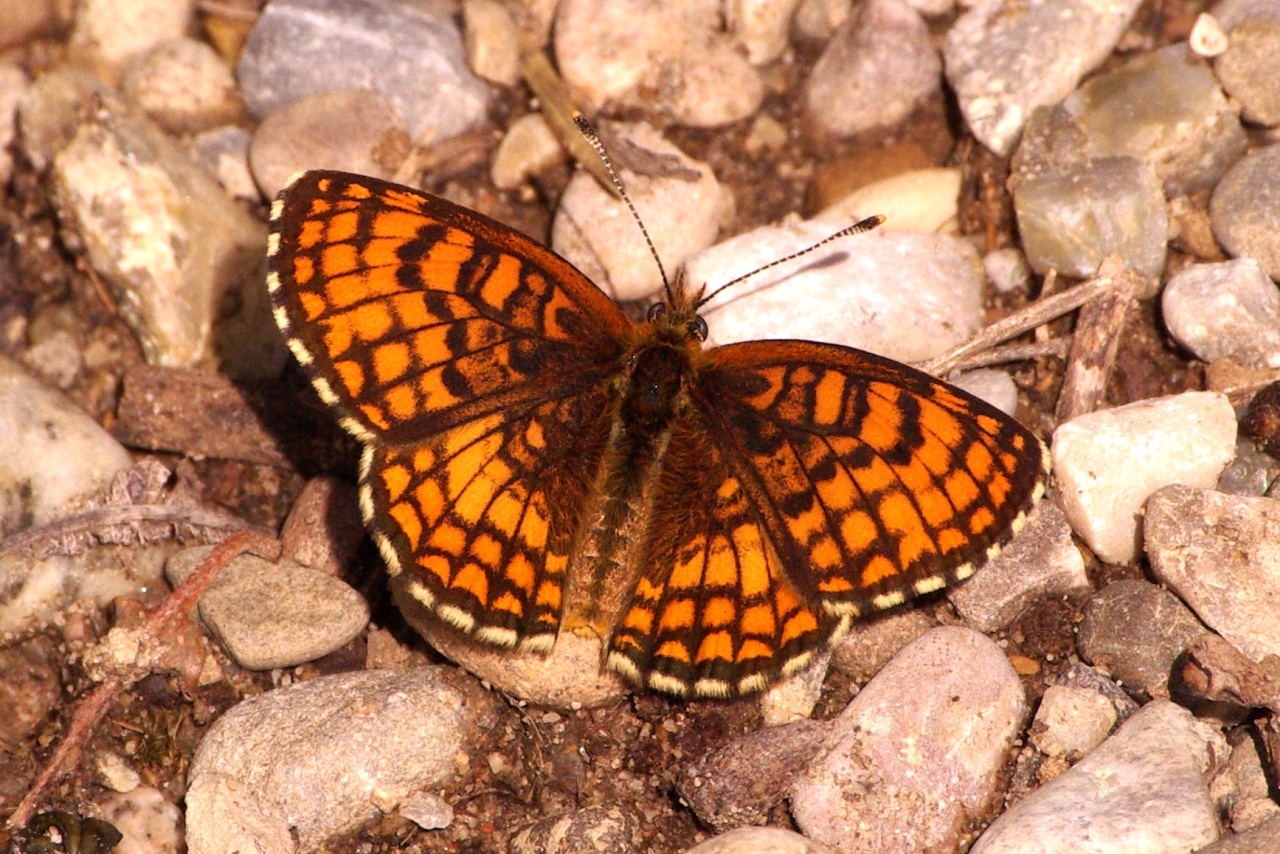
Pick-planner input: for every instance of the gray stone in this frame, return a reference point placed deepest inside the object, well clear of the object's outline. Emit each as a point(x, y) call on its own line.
point(873, 72)
point(326, 756)
point(411, 57)
point(1108, 462)
point(739, 783)
point(1246, 68)
point(1143, 789)
point(1218, 553)
point(269, 615)
point(1230, 309)
point(1040, 562)
point(1245, 209)
point(1072, 218)
point(1135, 631)
point(1005, 58)
point(914, 758)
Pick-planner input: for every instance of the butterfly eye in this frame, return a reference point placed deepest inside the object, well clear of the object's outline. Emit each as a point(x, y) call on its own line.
point(698, 328)
point(657, 310)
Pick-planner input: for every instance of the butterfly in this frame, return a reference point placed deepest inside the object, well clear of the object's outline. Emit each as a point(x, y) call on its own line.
point(537, 463)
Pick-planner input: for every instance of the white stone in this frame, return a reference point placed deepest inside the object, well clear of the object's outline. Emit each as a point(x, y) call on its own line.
point(920, 200)
point(1226, 309)
point(1107, 463)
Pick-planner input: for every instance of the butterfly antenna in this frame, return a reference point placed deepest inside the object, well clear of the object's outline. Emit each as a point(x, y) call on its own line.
point(857, 228)
point(589, 134)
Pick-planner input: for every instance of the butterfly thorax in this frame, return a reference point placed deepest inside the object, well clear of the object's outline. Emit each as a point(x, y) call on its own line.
point(652, 395)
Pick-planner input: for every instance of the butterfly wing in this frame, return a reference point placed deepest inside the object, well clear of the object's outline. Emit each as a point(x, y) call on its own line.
point(819, 483)
point(473, 364)
point(412, 314)
point(876, 481)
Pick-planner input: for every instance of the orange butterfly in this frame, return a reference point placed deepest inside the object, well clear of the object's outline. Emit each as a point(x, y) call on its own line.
point(537, 463)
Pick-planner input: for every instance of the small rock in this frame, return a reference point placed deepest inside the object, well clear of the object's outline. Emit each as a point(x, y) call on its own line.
point(673, 57)
point(1071, 721)
point(528, 147)
point(873, 642)
point(1245, 209)
point(1080, 675)
point(904, 295)
point(924, 200)
point(1135, 631)
point(739, 783)
point(679, 201)
point(411, 57)
point(1217, 552)
point(995, 387)
point(1250, 804)
point(1243, 68)
point(1073, 217)
point(1143, 789)
point(492, 41)
point(117, 774)
point(795, 697)
point(224, 153)
point(349, 130)
point(123, 192)
point(914, 758)
point(427, 810)
point(1107, 463)
point(817, 20)
point(311, 758)
point(761, 26)
point(760, 840)
point(100, 42)
point(268, 615)
point(874, 72)
point(323, 529)
point(1041, 562)
point(148, 822)
point(1004, 58)
point(1163, 108)
point(183, 86)
point(1007, 269)
point(1231, 309)
point(589, 829)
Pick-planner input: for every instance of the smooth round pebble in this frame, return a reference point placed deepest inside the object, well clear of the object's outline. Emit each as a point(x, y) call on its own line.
point(1143, 789)
point(1107, 463)
point(917, 200)
point(678, 199)
point(314, 758)
point(1230, 309)
point(411, 54)
point(270, 615)
point(1135, 631)
point(1218, 553)
point(528, 147)
point(761, 26)
point(904, 295)
point(323, 529)
point(348, 129)
point(1246, 68)
point(492, 41)
point(914, 757)
point(1244, 210)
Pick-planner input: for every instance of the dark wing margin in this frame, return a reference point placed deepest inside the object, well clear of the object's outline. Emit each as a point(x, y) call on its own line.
point(875, 481)
point(413, 315)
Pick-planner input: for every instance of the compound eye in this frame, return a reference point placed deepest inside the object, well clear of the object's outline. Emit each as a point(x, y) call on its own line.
point(698, 328)
point(657, 310)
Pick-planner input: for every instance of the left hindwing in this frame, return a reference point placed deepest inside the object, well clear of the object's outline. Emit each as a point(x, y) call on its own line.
point(876, 482)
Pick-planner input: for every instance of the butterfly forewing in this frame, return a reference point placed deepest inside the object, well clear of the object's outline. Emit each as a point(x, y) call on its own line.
point(413, 314)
